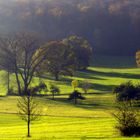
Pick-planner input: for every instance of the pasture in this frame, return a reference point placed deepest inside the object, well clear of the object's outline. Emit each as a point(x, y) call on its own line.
point(61, 119)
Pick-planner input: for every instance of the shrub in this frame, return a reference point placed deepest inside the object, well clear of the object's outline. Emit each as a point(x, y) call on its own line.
point(128, 119)
point(127, 91)
point(75, 96)
point(54, 90)
point(42, 87)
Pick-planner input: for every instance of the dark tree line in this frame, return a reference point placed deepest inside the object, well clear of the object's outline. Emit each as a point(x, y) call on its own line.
point(110, 25)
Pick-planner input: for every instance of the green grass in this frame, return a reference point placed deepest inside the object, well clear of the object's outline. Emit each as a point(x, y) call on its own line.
point(90, 119)
point(113, 61)
point(101, 79)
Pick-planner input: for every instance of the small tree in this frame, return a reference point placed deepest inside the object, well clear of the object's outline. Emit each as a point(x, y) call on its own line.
point(128, 119)
point(74, 84)
point(75, 96)
point(54, 90)
point(28, 109)
point(85, 85)
point(42, 87)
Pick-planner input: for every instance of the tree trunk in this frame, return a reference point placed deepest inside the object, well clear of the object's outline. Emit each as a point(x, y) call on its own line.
point(53, 96)
point(28, 121)
point(18, 83)
point(75, 100)
point(26, 90)
point(28, 135)
point(57, 76)
point(8, 81)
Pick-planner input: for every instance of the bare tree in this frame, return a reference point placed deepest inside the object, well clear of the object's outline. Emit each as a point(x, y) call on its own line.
point(85, 85)
point(6, 58)
point(28, 109)
point(18, 54)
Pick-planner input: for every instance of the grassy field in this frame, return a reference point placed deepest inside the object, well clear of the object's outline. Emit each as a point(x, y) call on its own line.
point(90, 119)
point(102, 80)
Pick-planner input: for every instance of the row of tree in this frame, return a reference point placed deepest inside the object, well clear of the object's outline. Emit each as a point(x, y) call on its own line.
point(65, 56)
point(25, 56)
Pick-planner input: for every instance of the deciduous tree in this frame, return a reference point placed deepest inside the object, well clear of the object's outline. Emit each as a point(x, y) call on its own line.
point(59, 60)
point(82, 50)
point(28, 109)
point(18, 55)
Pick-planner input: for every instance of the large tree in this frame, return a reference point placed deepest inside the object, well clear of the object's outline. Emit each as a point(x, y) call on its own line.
point(81, 49)
point(18, 55)
point(59, 59)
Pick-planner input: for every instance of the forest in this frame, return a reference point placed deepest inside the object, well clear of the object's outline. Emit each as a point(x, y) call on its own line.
point(111, 26)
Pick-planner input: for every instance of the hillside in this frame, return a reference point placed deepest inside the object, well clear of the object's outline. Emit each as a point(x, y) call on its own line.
point(111, 26)
point(90, 119)
point(102, 80)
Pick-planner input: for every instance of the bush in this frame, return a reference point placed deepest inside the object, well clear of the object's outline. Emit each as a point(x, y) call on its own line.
point(75, 96)
point(42, 87)
point(54, 90)
point(127, 91)
point(128, 119)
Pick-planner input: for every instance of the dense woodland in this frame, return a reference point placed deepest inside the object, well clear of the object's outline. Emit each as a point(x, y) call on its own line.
point(111, 26)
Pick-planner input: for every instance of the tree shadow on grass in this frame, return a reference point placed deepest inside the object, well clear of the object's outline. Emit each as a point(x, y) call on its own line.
point(2, 97)
point(92, 106)
point(93, 138)
point(114, 74)
point(103, 88)
point(82, 103)
point(87, 75)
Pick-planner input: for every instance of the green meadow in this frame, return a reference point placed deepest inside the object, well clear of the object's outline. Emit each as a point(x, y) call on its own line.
point(90, 119)
point(102, 80)
point(61, 119)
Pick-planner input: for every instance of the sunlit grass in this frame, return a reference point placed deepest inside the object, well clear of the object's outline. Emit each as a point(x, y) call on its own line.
point(101, 79)
point(90, 119)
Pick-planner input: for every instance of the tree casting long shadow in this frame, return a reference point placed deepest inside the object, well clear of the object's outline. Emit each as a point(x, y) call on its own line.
point(114, 74)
